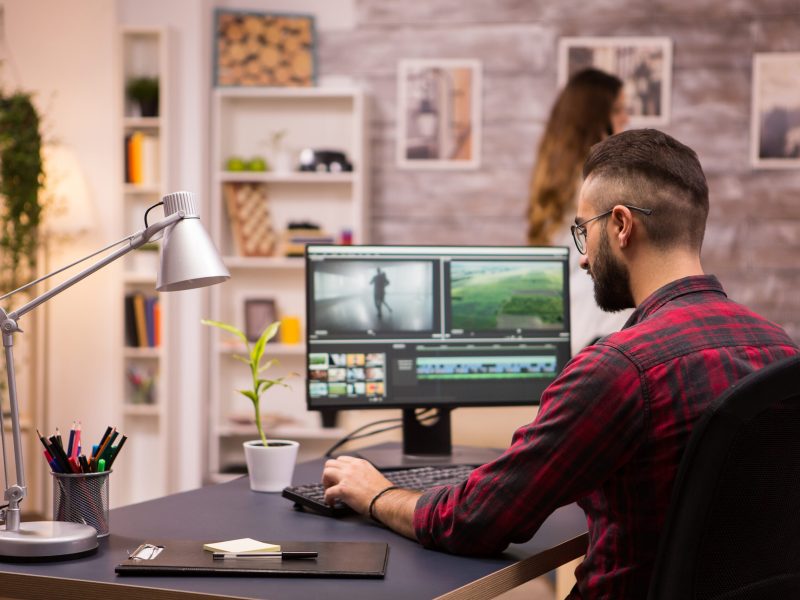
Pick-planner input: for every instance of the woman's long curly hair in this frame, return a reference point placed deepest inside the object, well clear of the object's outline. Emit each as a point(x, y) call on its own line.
point(580, 117)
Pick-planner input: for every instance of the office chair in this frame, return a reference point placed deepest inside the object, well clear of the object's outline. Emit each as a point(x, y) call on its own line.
point(733, 529)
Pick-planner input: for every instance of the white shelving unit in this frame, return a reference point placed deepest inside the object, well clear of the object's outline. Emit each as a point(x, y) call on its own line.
point(244, 122)
point(140, 472)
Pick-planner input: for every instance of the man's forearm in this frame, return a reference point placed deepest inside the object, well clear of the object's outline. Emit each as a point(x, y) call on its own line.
point(395, 509)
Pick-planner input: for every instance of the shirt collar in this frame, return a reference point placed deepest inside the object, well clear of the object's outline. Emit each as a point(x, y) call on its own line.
point(671, 291)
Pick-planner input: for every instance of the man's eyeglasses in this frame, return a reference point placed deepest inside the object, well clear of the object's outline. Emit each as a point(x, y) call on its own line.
point(579, 230)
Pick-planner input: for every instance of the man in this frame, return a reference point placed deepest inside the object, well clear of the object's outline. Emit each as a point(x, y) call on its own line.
point(379, 282)
point(612, 427)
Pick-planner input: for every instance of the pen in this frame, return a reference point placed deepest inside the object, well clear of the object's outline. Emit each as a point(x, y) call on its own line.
point(281, 555)
point(77, 442)
point(71, 440)
point(115, 450)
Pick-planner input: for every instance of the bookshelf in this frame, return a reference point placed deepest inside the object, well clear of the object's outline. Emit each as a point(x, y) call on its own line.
point(144, 140)
point(245, 124)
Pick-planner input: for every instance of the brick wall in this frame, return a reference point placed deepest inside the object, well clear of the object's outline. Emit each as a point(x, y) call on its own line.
point(753, 237)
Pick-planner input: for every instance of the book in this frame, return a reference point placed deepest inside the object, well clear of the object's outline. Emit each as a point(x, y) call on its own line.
point(139, 312)
point(127, 158)
point(157, 322)
point(150, 160)
point(131, 336)
point(149, 317)
point(135, 157)
point(241, 545)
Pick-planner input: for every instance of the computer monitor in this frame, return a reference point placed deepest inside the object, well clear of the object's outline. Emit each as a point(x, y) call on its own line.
point(421, 327)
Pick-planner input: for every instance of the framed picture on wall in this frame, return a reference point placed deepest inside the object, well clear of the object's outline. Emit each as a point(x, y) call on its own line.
point(439, 114)
point(257, 313)
point(644, 64)
point(775, 120)
point(264, 49)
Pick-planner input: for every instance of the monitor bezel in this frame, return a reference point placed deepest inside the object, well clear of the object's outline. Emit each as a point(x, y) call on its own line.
point(411, 249)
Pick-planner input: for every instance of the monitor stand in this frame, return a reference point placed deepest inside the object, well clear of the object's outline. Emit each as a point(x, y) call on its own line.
point(427, 444)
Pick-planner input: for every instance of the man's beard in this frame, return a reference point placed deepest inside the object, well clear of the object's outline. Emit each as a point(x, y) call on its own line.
point(612, 282)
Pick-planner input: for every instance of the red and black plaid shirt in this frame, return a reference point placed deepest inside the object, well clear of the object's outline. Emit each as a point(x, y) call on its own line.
point(609, 435)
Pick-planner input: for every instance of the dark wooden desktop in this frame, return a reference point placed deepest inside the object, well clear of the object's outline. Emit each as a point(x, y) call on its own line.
point(231, 510)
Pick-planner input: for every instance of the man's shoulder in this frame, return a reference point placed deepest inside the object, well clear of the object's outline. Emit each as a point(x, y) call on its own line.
point(682, 328)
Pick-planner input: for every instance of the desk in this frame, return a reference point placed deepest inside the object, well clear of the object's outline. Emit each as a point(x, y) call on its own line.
point(231, 510)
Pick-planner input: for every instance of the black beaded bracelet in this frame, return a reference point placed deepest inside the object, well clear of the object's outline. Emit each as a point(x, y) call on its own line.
point(375, 499)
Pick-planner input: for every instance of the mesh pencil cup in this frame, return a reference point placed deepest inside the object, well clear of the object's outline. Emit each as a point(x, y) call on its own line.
point(82, 498)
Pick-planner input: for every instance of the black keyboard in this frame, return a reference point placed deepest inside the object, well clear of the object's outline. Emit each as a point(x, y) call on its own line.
point(312, 495)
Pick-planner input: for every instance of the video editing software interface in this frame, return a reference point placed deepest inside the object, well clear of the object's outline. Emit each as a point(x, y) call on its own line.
point(434, 326)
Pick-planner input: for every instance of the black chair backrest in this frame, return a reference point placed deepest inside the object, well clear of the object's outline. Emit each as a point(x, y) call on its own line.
point(733, 530)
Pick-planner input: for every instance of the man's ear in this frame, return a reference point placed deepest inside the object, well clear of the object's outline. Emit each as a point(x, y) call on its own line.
point(622, 224)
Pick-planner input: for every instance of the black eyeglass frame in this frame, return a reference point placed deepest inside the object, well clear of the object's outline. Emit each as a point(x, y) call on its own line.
point(579, 229)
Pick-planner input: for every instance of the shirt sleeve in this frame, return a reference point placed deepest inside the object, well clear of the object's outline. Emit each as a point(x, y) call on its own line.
point(590, 422)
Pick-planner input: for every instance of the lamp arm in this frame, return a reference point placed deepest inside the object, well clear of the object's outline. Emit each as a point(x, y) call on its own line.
point(138, 240)
point(15, 492)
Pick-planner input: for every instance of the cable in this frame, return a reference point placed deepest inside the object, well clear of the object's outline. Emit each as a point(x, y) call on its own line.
point(422, 417)
point(351, 435)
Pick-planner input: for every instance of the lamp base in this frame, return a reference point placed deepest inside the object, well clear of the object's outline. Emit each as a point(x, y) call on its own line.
point(47, 539)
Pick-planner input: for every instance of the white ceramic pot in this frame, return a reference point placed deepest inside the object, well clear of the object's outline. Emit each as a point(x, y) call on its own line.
point(270, 468)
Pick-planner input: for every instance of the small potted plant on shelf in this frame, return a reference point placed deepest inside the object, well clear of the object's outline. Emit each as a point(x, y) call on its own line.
point(144, 91)
point(270, 463)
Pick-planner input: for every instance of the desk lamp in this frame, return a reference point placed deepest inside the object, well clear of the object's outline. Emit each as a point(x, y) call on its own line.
point(188, 260)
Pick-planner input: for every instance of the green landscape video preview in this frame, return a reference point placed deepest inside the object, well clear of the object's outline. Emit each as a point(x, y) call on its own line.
point(506, 296)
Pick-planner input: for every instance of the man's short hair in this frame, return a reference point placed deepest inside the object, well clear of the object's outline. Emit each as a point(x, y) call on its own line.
point(648, 168)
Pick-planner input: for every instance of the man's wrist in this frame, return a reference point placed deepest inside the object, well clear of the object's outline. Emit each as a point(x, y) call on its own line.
point(371, 509)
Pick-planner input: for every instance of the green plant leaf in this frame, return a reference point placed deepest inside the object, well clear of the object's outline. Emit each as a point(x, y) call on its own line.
point(249, 394)
point(258, 350)
point(268, 364)
point(229, 328)
point(241, 359)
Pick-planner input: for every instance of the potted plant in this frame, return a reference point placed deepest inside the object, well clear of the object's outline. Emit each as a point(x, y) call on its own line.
point(144, 91)
point(270, 463)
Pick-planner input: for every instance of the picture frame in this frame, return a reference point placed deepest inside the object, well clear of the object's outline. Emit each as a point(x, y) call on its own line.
point(257, 312)
point(264, 49)
point(775, 118)
point(439, 114)
point(644, 64)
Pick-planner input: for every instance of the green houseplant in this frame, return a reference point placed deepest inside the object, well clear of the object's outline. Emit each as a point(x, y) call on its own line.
point(21, 177)
point(21, 203)
point(270, 464)
point(144, 91)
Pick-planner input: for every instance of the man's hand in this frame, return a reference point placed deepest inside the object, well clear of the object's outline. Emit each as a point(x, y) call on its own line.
point(354, 481)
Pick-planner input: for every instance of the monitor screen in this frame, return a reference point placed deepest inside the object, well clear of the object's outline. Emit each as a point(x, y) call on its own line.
point(434, 326)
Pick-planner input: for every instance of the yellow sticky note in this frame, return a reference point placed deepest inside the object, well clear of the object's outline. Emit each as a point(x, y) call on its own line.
point(242, 545)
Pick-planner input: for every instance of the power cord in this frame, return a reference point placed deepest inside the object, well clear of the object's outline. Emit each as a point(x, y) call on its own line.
point(422, 417)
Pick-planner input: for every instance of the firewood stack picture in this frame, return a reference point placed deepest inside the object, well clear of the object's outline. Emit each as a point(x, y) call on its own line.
point(265, 50)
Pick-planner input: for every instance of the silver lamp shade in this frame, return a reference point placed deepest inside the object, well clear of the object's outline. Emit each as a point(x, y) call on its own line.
point(189, 258)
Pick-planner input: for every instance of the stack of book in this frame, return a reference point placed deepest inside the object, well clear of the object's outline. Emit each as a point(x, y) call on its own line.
point(141, 158)
point(297, 235)
point(142, 321)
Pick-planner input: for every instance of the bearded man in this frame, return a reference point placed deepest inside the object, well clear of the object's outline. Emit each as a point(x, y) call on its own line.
point(612, 427)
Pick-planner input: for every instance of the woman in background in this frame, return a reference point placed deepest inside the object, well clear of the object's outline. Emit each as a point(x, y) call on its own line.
point(589, 108)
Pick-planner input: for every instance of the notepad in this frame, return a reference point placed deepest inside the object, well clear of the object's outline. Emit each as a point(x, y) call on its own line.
point(241, 545)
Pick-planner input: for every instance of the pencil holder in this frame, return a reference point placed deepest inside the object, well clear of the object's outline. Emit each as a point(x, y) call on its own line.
point(82, 498)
